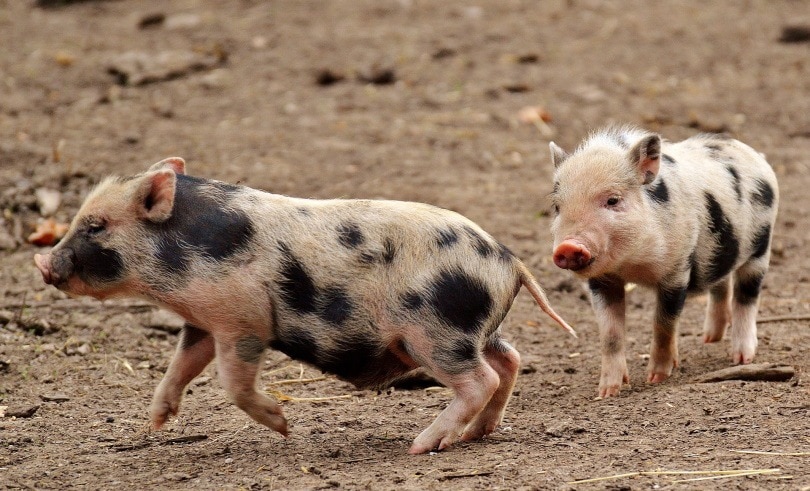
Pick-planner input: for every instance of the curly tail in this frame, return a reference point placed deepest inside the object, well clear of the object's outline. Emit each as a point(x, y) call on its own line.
point(539, 295)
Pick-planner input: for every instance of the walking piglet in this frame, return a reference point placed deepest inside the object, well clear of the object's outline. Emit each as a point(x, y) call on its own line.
point(366, 290)
point(681, 218)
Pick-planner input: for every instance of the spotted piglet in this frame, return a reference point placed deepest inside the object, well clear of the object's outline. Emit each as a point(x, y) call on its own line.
point(681, 218)
point(366, 290)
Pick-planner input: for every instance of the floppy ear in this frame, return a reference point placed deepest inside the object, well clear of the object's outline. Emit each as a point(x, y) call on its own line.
point(176, 164)
point(646, 157)
point(154, 195)
point(558, 155)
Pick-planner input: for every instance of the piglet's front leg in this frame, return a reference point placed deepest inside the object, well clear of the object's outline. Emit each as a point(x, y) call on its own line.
point(607, 298)
point(194, 352)
point(664, 353)
point(239, 357)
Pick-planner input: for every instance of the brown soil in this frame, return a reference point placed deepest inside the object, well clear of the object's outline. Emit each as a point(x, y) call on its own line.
point(409, 100)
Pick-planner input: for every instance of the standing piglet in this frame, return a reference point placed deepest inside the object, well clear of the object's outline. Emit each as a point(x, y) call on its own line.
point(366, 290)
point(681, 218)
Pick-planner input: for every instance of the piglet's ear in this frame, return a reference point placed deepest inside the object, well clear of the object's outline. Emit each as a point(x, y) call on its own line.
point(154, 198)
point(646, 156)
point(176, 164)
point(558, 155)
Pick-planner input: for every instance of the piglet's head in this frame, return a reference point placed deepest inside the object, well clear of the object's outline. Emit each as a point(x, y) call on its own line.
point(598, 200)
point(105, 242)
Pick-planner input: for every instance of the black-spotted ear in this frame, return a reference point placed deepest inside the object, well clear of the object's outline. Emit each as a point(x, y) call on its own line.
point(558, 155)
point(176, 164)
point(154, 196)
point(646, 156)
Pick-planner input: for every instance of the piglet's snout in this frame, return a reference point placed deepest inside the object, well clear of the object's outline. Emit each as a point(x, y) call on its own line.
point(55, 267)
point(572, 255)
point(43, 262)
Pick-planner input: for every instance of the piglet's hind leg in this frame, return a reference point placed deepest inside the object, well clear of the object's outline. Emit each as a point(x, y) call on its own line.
point(505, 360)
point(473, 389)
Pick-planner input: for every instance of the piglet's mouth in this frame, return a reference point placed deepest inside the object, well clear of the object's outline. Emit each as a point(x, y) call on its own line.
point(582, 266)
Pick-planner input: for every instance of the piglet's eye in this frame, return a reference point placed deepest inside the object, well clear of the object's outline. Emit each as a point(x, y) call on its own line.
point(95, 228)
point(613, 201)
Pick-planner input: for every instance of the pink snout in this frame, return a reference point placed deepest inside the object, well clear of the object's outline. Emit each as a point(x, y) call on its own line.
point(572, 255)
point(43, 263)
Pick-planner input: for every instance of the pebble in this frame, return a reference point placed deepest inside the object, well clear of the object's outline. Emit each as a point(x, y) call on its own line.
point(55, 397)
point(21, 411)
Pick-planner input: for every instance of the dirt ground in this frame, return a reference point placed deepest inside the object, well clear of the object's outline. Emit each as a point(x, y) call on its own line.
point(409, 100)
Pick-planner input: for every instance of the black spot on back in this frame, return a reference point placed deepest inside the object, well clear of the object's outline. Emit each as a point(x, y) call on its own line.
point(389, 251)
point(668, 159)
point(763, 194)
point(384, 256)
point(446, 237)
point(735, 181)
point(482, 246)
point(349, 235)
point(504, 254)
point(715, 150)
point(191, 335)
point(658, 191)
point(727, 247)
point(335, 307)
point(201, 224)
point(296, 286)
point(460, 300)
point(761, 241)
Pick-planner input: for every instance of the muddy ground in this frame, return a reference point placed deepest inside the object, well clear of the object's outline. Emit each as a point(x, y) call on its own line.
point(409, 100)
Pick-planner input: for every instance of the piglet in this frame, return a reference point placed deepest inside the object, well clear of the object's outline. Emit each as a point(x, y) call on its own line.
point(366, 290)
point(681, 218)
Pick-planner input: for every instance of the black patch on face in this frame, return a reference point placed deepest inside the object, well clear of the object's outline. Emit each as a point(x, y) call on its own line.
point(761, 241)
point(482, 246)
point(298, 345)
point(335, 306)
point(728, 247)
point(349, 235)
point(296, 286)
point(412, 301)
point(668, 159)
point(607, 288)
point(249, 348)
point(763, 194)
point(191, 335)
point(85, 257)
point(746, 291)
point(459, 300)
point(446, 238)
point(201, 224)
point(735, 178)
point(658, 192)
point(670, 303)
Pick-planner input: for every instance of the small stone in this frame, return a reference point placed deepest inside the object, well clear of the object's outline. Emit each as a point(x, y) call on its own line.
point(55, 397)
point(176, 476)
point(25, 411)
point(151, 20)
point(328, 77)
point(378, 76)
point(795, 34)
point(109, 419)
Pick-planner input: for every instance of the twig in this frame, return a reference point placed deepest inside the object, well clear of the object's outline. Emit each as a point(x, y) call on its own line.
point(726, 476)
point(605, 478)
point(296, 381)
point(185, 439)
point(759, 452)
point(780, 318)
point(20, 310)
point(465, 474)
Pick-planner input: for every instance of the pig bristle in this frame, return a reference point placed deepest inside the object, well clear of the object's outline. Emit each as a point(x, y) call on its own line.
point(620, 137)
